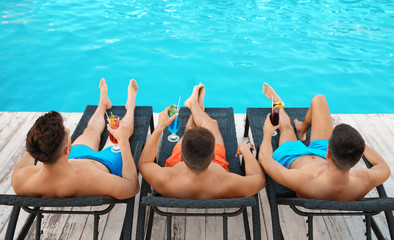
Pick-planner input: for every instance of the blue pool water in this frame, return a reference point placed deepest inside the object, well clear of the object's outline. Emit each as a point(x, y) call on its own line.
point(53, 53)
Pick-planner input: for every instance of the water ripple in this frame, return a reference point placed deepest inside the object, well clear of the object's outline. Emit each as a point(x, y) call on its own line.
point(337, 48)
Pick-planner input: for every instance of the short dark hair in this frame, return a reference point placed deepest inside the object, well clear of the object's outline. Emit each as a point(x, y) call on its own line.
point(198, 148)
point(346, 146)
point(46, 138)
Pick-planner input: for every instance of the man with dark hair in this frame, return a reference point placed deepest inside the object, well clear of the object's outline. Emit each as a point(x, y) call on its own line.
point(197, 168)
point(322, 170)
point(79, 170)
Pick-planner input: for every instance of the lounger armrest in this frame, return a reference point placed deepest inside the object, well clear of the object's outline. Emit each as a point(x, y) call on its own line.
point(15, 200)
point(191, 203)
point(367, 204)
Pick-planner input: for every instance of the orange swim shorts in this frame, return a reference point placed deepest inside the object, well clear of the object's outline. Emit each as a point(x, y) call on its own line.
point(220, 156)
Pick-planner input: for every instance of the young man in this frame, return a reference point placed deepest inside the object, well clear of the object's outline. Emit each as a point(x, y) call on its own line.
point(323, 170)
point(197, 168)
point(78, 170)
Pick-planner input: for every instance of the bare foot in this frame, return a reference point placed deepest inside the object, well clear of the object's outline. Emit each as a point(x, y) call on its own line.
point(131, 94)
point(300, 134)
point(194, 96)
point(270, 93)
point(201, 96)
point(104, 100)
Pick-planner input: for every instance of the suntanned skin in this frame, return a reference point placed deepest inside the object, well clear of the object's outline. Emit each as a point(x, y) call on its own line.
point(84, 177)
point(311, 176)
point(214, 182)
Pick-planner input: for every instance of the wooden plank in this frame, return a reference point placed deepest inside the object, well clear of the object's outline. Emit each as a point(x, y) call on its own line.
point(159, 226)
point(195, 226)
point(214, 226)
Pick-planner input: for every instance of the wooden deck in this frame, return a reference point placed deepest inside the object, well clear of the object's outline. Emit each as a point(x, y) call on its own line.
point(378, 131)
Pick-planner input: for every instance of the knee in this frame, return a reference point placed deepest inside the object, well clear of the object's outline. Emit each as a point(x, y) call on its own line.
point(210, 124)
point(92, 131)
point(319, 100)
point(285, 123)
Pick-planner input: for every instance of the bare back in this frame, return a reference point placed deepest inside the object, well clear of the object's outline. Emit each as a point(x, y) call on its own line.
point(75, 178)
point(214, 182)
point(327, 182)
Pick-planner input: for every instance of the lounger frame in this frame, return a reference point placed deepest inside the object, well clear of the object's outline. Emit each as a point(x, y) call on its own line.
point(143, 119)
point(150, 198)
point(280, 195)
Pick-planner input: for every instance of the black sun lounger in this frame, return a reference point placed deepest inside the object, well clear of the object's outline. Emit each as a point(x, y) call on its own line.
point(225, 118)
point(143, 118)
point(280, 195)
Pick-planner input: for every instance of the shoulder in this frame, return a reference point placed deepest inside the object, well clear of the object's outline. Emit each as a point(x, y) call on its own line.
point(22, 178)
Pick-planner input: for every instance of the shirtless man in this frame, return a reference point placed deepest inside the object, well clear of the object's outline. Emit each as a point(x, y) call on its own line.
point(323, 170)
point(197, 168)
point(78, 170)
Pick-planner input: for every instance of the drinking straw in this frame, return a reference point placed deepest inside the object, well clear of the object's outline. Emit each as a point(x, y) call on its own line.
point(107, 115)
point(179, 101)
point(272, 104)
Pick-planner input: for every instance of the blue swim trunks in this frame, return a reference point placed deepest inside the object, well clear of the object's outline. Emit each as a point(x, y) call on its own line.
point(113, 161)
point(289, 151)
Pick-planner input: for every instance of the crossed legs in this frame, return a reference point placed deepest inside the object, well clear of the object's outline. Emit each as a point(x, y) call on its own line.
point(198, 115)
point(92, 134)
point(318, 118)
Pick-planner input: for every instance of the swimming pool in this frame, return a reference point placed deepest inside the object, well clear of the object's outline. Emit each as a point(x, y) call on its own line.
point(53, 53)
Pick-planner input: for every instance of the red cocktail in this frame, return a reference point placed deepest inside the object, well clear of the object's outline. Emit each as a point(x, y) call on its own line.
point(275, 114)
point(114, 124)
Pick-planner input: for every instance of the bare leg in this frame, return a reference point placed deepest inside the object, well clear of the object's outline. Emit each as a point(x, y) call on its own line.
point(201, 97)
point(285, 128)
point(200, 117)
point(130, 107)
point(270, 93)
point(190, 122)
point(318, 118)
point(91, 135)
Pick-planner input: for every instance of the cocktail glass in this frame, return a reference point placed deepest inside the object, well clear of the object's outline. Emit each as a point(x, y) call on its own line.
point(114, 124)
point(274, 118)
point(174, 126)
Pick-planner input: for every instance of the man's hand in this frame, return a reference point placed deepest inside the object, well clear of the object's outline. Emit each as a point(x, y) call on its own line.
point(269, 129)
point(242, 148)
point(164, 119)
point(122, 133)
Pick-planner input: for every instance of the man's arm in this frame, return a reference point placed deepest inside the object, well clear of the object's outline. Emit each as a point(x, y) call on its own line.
point(151, 171)
point(129, 187)
point(17, 175)
point(291, 178)
point(254, 179)
point(380, 170)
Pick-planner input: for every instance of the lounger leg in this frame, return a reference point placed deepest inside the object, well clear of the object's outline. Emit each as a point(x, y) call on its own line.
point(29, 221)
point(246, 131)
point(169, 218)
point(12, 223)
point(95, 228)
point(152, 125)
point(128, 220)
point(310, 227)
point(38, 226)
point(390, 222)
point(376, 230)
point(140, 222)
point(256, 220)
point(276, 229)
point(246, 224)
point(368, 227)
point(225, 231)
point(150, 224)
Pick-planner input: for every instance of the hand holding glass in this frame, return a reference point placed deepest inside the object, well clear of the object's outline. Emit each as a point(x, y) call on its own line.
point(114, 124)
point(174, 126)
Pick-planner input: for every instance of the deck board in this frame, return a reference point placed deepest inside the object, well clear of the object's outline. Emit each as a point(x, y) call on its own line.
point(377, 129)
